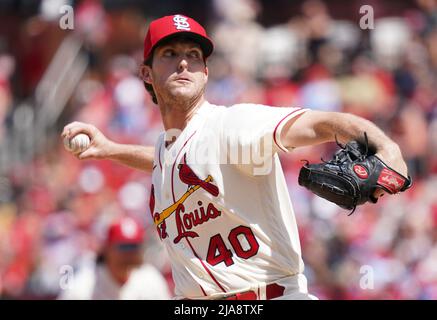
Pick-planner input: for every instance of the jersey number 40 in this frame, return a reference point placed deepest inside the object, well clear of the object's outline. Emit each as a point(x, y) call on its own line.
point(218, 252)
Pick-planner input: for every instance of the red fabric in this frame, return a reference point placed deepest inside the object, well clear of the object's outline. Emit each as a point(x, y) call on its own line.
point(167, 26)
point(273, 290)
point(391, 180)
point(125, 230)
point(189, 177)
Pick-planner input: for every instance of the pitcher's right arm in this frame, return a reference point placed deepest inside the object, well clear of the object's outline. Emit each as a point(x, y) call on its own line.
point(135, 156)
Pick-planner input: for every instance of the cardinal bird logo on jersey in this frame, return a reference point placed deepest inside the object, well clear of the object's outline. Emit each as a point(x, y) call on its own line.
point(188, 219)
point(188, 177)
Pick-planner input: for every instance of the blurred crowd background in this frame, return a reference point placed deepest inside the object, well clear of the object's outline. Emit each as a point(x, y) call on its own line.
point(54, 208)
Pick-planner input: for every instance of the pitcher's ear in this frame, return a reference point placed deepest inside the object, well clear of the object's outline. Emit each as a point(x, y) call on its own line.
point(146, 74)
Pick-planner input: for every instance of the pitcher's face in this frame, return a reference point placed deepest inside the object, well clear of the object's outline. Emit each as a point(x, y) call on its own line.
point(178, 71)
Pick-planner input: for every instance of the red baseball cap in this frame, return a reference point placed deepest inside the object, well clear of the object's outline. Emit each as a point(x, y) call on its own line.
point(125, 230)
point(172, 26)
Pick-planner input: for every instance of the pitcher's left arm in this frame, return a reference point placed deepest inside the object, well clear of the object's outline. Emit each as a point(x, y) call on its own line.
point(315, 127)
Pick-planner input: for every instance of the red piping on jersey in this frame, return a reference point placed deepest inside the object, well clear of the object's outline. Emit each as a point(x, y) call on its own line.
point(159, 156)
point(206, 268)
point(277, 126)
point(203, 291)
point(174, 163)
point(192, 249)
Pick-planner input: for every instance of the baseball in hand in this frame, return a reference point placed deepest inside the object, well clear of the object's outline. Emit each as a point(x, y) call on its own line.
point(78, 143)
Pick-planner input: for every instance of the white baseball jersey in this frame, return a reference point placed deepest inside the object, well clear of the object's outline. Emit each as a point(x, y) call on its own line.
point(96, 283)
point(220, 202)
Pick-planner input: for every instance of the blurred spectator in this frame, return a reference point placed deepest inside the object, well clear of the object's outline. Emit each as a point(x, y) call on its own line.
point(317, 22)
point(238, 26)
point(7, 66)
point(120, 272)
point(319, 90)
point(389, 41)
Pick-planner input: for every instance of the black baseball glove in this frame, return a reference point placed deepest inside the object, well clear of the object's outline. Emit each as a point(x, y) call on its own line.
point(352, 176)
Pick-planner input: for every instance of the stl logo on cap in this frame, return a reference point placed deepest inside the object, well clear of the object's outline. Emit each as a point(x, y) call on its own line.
point(167, 26)
point(128, 228)
point(181, 23)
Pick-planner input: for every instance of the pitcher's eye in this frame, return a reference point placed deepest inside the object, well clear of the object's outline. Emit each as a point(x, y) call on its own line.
point(195, 54)
point(168, 53)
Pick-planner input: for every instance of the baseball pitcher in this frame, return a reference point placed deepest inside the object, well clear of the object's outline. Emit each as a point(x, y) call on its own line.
point(219, 199)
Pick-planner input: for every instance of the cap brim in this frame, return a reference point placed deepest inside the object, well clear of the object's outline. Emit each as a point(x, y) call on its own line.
point(129, 246)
